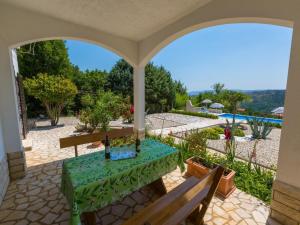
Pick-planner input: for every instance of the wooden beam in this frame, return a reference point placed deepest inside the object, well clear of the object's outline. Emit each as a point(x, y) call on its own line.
point(89, 138)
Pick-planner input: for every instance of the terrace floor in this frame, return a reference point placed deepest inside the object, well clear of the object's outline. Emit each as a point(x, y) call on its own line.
point(36, 199)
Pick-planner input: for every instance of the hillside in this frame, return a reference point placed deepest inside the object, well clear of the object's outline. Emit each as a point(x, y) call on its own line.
point(265, 100)
point(262, 100)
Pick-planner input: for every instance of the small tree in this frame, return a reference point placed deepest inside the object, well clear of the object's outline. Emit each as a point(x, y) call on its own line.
point(100, 110)
point(107, 108)
point(218, 88)
point(233, 99)
point(55, 92)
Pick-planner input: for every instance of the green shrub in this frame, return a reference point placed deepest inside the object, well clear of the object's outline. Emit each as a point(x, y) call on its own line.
point(169, 140)
point(277, 125)
point(180, 100)
point(199, 114)
point(252, 182)
point(197, 141)
point(211, 134)
point(100, 110)
point(239, 133)
point(54, 92)
point(220, 130)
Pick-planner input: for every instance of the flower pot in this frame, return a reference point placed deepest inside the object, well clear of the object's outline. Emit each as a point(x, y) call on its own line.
point(226, 185)
point(196, 169)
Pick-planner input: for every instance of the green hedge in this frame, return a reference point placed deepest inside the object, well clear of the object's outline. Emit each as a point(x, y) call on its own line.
point(199, 114)
point(239, 133)
point(211, 134)
point(219, 130)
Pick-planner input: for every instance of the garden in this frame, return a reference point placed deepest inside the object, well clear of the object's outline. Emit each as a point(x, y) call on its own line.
point(249, 177)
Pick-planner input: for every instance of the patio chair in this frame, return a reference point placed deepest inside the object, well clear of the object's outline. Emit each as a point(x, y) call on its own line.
point(182, 203)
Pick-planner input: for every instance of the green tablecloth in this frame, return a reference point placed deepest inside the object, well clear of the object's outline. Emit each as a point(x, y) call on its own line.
point(90, 182)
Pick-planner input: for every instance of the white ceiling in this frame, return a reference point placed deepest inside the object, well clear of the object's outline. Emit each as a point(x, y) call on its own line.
point(132, 19)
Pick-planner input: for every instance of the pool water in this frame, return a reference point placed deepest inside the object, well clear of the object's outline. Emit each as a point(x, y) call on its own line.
point(245, 117)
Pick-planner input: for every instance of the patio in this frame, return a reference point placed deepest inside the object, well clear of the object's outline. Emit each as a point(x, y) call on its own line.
point(36, 199)
point(136, 30)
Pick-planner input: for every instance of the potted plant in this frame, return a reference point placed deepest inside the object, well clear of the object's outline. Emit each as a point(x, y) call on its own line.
point(202, 163)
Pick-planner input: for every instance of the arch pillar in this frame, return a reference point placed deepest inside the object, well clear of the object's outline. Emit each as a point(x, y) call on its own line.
point(9, 116)
point(139, 100)
point(285, 205)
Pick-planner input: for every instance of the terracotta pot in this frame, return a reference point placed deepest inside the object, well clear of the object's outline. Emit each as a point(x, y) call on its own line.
point(226, 185)
point(96, 144)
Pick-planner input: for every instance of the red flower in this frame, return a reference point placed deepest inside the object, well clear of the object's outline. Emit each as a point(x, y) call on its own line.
point(131, 109)
point(227, 133)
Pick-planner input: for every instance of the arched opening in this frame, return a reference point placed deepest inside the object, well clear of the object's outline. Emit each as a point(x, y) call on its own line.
point(249, 58)
point(151, 46)
point(44, 161)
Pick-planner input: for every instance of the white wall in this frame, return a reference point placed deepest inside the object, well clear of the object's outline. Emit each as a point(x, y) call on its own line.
point(4, 174)
point(2, 150)
point(8, 102)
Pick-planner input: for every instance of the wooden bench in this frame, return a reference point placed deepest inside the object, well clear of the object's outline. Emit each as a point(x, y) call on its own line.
point(181, 203)
point(74, 141)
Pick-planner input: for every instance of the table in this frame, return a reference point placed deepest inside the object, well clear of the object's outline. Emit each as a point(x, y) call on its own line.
point(90, 182)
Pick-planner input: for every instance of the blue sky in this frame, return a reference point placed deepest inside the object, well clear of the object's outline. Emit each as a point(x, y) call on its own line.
point(242, 56)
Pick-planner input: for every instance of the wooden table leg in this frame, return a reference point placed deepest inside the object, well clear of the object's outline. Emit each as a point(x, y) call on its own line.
point(159, 186)
point(89, 218)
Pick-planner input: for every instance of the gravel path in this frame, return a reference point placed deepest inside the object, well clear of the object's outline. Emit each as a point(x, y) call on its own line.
point(266, 150)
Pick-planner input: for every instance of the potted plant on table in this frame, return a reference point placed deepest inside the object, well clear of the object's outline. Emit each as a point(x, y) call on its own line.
point(202, 163)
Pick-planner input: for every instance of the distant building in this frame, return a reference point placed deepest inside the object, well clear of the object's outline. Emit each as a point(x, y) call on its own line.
point(278, 111)
point(241, 110)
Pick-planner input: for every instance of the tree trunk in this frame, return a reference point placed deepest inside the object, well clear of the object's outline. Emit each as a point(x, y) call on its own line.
point(53, 122)
point(53, 112)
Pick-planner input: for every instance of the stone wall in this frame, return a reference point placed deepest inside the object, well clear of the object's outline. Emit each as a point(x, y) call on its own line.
point(190, 108)
point(16, 165)
point(285, 205)
point(4, 177)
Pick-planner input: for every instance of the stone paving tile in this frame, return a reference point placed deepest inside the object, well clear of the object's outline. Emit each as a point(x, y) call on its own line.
point(36, 199)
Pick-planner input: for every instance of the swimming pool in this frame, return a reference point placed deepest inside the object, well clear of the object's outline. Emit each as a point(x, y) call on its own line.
point(244, 117)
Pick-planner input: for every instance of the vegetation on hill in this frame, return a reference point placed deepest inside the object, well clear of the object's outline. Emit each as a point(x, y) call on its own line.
point(261, 104)
point(230, 99)
point(264, 100)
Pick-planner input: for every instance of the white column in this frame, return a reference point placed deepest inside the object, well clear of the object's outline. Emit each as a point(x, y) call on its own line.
point(286, 187)
point(8, 103)
point(289, 154)
point(139, 100)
